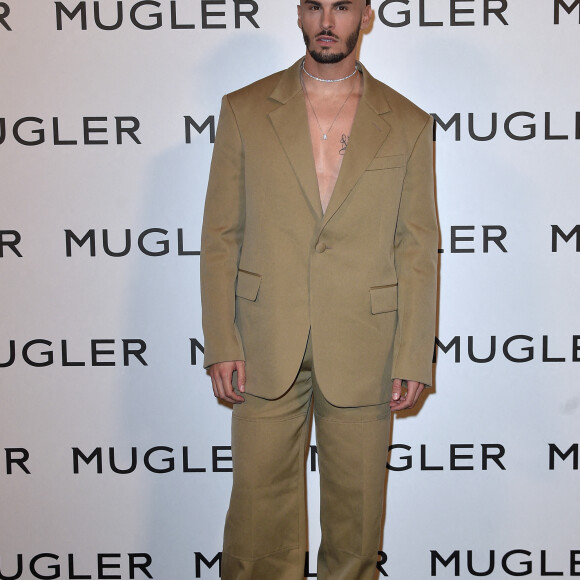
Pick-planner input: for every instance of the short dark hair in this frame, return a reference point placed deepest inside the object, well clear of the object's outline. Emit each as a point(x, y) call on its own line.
point(368, 2)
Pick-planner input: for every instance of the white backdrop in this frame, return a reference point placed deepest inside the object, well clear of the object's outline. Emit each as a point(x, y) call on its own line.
point(99, 368)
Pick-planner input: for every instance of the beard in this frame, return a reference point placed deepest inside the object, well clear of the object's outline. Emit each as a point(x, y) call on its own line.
point(324, 57)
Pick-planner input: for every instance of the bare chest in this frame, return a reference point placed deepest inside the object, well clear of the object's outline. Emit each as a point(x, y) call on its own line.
point(330, 124)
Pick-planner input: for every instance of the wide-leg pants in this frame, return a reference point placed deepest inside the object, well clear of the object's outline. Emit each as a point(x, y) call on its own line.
point(265, 533)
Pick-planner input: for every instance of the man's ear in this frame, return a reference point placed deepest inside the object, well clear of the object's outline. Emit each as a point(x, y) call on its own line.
point(366, 19)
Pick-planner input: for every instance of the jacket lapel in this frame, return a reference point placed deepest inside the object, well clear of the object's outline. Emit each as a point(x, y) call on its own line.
point(290, 121)
point(368, 133)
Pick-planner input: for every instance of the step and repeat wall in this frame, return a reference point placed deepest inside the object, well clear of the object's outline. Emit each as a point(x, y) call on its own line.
point(115, 457)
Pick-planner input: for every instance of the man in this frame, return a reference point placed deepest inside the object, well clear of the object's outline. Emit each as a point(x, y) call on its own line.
point(318, 268)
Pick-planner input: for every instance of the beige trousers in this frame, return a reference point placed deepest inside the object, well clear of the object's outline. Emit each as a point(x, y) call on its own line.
point(265, 533)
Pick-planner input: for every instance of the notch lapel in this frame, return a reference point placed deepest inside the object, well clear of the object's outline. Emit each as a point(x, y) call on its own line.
point(368, 133)
point(290, 122)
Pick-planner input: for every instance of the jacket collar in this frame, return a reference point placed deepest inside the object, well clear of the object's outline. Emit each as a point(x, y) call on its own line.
point(289, 85)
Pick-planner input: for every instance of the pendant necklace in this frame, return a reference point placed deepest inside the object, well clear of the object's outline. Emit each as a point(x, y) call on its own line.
point(325, 133)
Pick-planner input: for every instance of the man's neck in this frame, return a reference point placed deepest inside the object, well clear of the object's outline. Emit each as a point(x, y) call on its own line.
point(330, 71)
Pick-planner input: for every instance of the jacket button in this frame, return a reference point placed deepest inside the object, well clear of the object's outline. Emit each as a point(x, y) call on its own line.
point(320, 247)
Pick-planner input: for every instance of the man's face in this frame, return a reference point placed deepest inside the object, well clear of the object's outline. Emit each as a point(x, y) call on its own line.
point(331, 27)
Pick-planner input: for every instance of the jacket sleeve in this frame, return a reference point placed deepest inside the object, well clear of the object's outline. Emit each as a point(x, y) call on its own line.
point(221, 242)
point(416, 257)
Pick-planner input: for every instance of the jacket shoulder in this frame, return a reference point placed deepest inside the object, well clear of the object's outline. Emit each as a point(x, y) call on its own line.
point(399, 107)
point(255, 92)
point(403, 107)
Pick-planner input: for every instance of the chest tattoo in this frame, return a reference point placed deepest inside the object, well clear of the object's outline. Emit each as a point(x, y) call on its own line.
point(343, 144)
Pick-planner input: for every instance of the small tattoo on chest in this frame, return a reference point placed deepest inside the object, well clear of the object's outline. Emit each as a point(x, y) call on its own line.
point(343, 143)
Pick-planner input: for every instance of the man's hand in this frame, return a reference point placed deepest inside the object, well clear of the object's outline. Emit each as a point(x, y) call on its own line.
point(221, 380)
point(400, 401)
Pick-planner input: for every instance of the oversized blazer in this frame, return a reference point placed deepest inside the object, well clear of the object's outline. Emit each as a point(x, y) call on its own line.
point(361, 278)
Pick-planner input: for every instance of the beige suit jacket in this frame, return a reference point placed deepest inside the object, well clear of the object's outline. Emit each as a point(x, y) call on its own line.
point(361, 278)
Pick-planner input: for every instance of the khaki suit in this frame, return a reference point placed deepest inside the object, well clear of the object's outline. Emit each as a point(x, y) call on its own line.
point(362, 277)
point(357, 283)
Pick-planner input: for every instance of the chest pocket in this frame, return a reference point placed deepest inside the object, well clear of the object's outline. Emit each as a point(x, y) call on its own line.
point(389, 162)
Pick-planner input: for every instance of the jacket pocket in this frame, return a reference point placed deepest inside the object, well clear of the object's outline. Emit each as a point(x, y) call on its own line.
point(248, 285)
point(383, 298)
point(389, 162)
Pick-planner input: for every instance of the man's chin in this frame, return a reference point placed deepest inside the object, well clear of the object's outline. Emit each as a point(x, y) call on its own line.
point(327, 57)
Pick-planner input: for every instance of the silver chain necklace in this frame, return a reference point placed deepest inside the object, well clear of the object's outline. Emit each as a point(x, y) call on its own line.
point(325, 133)
point(329, 80)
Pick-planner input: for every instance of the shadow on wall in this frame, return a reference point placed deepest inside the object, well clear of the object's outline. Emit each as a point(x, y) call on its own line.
point(171, 404)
